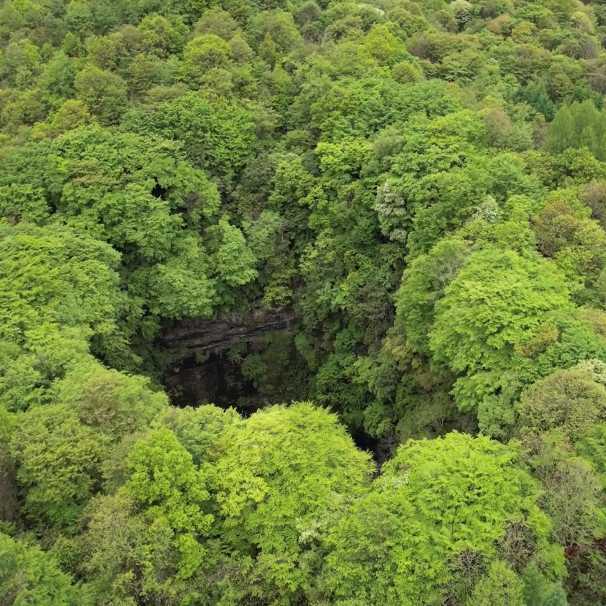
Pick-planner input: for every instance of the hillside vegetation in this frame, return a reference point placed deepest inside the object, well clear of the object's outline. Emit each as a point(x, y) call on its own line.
point(420, 185)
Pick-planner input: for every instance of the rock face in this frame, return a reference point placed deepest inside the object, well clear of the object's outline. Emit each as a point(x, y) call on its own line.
point(200, 337)
point(202, 369)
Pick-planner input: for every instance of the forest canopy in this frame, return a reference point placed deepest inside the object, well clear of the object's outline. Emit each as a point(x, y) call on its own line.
point(302, 302)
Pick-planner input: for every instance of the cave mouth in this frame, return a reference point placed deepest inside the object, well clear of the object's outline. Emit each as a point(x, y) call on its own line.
point(248, 375)
point(217, 380)
point(224, 379)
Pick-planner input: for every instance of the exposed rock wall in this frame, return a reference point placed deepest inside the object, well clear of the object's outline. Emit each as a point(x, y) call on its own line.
point(189, 337)
point(201, 368)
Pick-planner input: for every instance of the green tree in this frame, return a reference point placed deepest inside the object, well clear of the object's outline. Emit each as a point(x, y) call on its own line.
point(578, 125)
point(9, 507)
point(437, 520)
point(233, 261)
point(59, 289)
point(281, 479)
point(574, 241)
point(110, 402)
point(568, 399)
point(103, 92)
point(59, 462)
point(497, 302)
point(200, 430)
point(218, 137)
point(500, 587)
point(202, 54)
point(146, 541)
point(30, 576)
point(422, 287)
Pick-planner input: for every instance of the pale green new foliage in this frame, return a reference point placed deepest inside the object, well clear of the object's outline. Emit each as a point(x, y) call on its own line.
point(499, 302)
point(57, 289)
point(284, 474)
point(70, 115)
point(166, 484)
point(423, 285)
point(200, 429)
point(233, 260)
point(55, 275)
point(28, 371)
point(202, 54)
point(58, 463)
point(61, 448)
point(171, 492)
point(500, 587)
point(145, 543)
point(436, 518)
point(383, 46)
point(497, 298)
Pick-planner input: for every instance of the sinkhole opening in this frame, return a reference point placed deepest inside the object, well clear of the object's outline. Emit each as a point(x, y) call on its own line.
point(248, 375)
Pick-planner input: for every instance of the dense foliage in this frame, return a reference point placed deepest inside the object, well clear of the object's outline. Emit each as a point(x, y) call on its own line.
point(420, 186)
